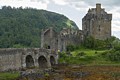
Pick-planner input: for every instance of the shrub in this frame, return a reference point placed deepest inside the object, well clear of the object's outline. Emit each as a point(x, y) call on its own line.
point(46, 75)
point(116, 44)
point(113, 55)
point(70, 48)
point(81, 54)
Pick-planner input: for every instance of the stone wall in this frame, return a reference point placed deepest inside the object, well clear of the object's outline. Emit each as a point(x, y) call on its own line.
point(10, 59)
point(69, 37)
point(49, 39)
point(60, 40)
point(15, 59)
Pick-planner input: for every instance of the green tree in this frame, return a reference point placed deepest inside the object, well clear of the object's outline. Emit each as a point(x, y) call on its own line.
point(21, 27)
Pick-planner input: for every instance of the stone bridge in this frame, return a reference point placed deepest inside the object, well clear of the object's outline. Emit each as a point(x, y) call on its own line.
point(15, 59)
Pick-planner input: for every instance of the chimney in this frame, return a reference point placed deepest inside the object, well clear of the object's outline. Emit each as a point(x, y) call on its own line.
point(98, 7)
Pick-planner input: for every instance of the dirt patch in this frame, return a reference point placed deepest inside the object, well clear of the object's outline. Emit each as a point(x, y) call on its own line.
point(70, 72)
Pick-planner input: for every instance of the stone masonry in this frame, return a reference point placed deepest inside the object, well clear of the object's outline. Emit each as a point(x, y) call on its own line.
point(55, 41)
point(97, 23)
point(16, 59)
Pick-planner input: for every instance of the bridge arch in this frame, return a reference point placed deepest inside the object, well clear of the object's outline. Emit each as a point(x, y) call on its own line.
point(29, 61)
point(42, 61)
point(52, 61)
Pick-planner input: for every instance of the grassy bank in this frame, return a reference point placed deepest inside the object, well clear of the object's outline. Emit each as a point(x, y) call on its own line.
point(87, 57)
point(8, 75)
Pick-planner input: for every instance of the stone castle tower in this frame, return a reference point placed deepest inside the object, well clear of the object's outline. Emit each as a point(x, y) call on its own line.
point(97, 23)
point(49, 39)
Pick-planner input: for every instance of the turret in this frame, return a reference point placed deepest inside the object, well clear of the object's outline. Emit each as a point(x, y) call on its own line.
point(98, 8)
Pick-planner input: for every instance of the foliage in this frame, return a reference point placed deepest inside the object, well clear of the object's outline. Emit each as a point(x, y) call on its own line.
point(80, 58)
point(92, 43)
point(94, 52)
point(46, 75)
point(22, 27)
point(116, 44)
point(81, 54)
point(91, 57)
point(73, 47)
point(70, 48)
point(113, 55)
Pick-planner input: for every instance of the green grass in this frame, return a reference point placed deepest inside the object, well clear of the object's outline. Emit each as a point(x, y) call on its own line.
point(90, 57)
point(8, 75)
point(88, 52)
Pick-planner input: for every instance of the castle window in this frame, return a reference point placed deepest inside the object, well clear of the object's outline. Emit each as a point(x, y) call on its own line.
point(57, 40)
point(48, 47)
point(99, 28)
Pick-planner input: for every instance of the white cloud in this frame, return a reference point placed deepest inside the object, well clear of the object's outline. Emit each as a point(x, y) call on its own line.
point(115, 27)
point(116, 33)
point(81, 6)
point(25, 3)
point(116, 18)
point(76, 4)
point(116, 12)
point(60, 2)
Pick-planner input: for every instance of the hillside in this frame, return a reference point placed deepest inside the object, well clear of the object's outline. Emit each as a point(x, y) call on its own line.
point(21, 27)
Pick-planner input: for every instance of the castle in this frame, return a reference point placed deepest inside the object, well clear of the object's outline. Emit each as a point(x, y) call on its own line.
point(96, 23)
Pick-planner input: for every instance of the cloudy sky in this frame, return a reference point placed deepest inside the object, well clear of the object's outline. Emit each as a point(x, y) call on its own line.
point(73, 9)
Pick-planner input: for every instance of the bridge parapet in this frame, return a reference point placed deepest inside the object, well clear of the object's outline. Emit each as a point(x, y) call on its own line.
point(15, 58)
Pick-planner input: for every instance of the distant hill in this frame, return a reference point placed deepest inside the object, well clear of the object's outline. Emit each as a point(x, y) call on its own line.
point(22, 27)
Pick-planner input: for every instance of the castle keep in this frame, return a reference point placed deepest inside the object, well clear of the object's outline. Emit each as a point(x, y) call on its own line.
point(97, 23)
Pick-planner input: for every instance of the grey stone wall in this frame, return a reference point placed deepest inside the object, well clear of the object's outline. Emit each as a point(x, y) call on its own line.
point(49, 39)
point(15, 59)
point(10, 59)
point(60, 40)
point(69, 37)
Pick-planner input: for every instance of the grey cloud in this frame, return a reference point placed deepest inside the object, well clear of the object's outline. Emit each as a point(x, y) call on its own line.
point(93, 2)
point(43, 1)
point(73, 0)
point(89, 2)
point(116, 33)
point(79, 5)
point(118, 10)
point(104, 2)
point(76, 3)
point(107, 4)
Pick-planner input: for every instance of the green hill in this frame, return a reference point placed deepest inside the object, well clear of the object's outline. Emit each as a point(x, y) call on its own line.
point(21, 27)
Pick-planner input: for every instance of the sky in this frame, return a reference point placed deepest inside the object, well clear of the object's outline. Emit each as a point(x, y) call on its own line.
point(75, 10)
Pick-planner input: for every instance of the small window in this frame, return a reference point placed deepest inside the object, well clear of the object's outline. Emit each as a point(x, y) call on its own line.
point(48, 47)
point(99, 28)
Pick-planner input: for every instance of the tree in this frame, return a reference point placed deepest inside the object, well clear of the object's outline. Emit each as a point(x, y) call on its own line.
point(116, 44)
point(21, 27)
